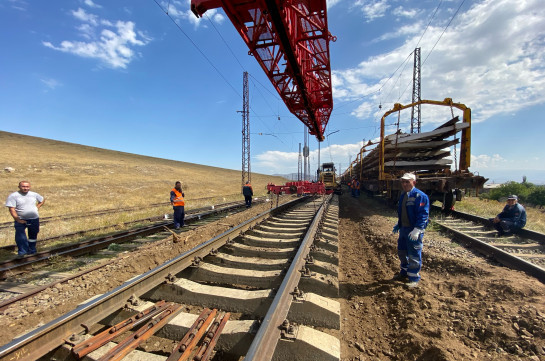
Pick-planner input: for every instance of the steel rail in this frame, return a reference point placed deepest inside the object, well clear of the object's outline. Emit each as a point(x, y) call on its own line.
point(526, 233)
point(224, 206)
point(44, 339)
point(95, 244)
point(44, 220)
point(499, 255)
point(268, 335)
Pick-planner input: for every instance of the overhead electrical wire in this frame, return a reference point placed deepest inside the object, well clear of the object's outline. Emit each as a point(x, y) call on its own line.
point(208, 59)
point(198, 49)
point(400, 65)
point(434, 45)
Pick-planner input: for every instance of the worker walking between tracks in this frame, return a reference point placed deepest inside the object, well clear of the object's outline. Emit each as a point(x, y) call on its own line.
point(413, 213)
point(512, 218)
point(23, 207)
point(354, 187)
point(248, 193)
point(178, 203)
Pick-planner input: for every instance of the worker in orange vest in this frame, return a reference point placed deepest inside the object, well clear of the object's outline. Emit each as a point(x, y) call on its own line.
point(178, 203)
point(248, 193)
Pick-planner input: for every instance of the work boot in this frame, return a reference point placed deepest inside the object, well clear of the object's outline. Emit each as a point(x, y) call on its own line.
point(400, 277)
point(412, 284)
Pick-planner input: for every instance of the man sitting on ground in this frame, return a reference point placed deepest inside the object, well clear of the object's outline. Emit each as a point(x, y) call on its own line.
point(512, 218)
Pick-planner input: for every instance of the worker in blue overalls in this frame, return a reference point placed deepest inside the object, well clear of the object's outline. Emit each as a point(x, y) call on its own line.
point(413, 213)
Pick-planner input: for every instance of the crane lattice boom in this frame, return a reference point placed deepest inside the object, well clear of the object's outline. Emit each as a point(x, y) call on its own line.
point(290, 40)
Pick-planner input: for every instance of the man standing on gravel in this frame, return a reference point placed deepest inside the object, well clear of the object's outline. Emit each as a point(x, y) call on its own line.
point(178, 204)
point(413, 213)
point(248, 193)
point(23, 207)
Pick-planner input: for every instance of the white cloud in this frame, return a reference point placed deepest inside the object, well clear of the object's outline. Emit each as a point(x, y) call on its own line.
point(402, 12)
point(286, 162)
point(492, 58)
point(173, 9)
point(82, 15)
point(113, 45)
point(487, 161)
point(20, 5)
point(331, 3)
point(91, 4)
point(401, 31)
point(51, 83)
point(372, 9)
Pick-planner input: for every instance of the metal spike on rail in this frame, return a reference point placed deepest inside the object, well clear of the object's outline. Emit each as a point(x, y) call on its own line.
point(89, 345)
point(186, 346)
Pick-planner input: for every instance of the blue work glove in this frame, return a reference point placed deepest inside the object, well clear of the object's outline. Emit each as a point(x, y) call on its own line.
point(415, 233)
point(396, 229)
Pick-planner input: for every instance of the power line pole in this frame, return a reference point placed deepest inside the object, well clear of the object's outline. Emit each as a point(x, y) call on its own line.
point(416, 119)
point(318, 170)
point(246, 169)
point(305, 155)
point(299, 165)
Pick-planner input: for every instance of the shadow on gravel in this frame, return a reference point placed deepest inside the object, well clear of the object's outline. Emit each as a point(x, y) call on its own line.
point(347, 290)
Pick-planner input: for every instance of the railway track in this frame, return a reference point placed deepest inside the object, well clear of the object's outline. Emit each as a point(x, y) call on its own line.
point(44, 220)
point(270, 281)
point(161, 218)
point(15, 287)
point(524, 251)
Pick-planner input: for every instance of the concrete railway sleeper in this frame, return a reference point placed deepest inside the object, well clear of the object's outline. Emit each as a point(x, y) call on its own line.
point(524, 251)
point(270, 281)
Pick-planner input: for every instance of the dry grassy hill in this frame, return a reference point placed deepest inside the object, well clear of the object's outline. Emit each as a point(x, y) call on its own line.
point(76, 178)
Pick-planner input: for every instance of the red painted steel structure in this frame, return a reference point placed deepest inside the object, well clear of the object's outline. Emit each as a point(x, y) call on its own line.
point(299, 188)
point(290, 40)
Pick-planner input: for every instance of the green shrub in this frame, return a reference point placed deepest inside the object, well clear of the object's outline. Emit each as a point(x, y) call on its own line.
point(537, 196)
point(522, 190)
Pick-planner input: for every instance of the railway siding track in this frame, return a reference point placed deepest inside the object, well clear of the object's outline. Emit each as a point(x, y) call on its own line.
point(12, 266)
point(273, 275)
point(158, 219)
point(15, 286)
point(524, 251)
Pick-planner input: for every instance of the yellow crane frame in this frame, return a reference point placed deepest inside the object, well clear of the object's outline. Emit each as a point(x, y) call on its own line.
point(465, 144)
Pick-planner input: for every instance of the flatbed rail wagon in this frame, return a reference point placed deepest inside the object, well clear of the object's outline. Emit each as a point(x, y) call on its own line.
point(427, 154)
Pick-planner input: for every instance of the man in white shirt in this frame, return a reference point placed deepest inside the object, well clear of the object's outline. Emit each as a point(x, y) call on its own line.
point(23, 207)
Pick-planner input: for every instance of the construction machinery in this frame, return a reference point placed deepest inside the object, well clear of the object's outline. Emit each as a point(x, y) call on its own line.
point(300, 188)
point(328, 176)
point(426, 154)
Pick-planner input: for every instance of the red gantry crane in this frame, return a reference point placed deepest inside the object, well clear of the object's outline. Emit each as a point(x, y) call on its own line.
point(290, 40)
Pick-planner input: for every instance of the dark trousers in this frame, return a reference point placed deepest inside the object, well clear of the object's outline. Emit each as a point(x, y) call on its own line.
point(410, 254)
point(27, 245)
point(505, 227)
point(248, 200)
point(179, 215)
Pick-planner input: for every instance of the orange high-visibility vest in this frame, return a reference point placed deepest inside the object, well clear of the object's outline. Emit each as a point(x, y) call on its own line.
point(179, 199)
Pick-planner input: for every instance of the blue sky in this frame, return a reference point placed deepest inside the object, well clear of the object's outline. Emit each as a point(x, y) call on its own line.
point(124, 75)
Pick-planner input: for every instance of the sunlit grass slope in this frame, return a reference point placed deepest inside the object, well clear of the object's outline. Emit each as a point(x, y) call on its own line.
point(76, 178)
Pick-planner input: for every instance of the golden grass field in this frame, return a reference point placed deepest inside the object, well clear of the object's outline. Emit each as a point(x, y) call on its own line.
point(79, 179)
point(535, 218)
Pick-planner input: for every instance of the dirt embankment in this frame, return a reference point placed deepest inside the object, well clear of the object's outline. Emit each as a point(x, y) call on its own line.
point(466, 308)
